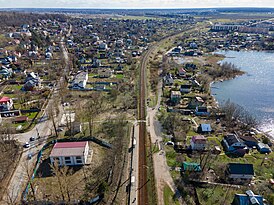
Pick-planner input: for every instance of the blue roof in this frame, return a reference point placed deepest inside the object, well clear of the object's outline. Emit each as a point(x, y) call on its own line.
point(238, 168)
point(206, 128)
point(243, 199)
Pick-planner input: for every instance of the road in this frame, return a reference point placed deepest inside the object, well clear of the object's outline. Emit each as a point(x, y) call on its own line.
point(161, 169)
point(43, 129)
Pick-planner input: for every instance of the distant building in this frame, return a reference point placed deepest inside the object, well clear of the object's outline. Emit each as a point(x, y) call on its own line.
point(104, 73)
point(6, 104)
point(175, 97)
point(240, 172)
point(233, 144)
point(249, 140)
point(248, 199)
point(185, 88)
point(191, 167)
point(198, 142)
point(223, 27)
point(70, 153)
point(204, 129)
point(80, 81)
point(263, 148)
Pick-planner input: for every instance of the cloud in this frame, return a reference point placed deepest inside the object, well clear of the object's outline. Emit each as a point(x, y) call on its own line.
point(134, 3)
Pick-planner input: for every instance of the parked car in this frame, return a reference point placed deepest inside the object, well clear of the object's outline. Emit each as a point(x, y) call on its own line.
point(29, 156)
point(26, 145)
point(31, 139)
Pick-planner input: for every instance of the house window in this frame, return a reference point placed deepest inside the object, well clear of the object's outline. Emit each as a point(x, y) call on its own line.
point(67, 160)
point(79, 160)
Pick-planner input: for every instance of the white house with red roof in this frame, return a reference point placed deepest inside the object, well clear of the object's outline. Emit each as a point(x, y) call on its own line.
point(198, 142)
point(6, 104)
point(70, 153)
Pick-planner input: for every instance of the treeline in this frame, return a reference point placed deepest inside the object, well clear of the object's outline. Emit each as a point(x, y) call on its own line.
point(225, 71)
point(17, 18)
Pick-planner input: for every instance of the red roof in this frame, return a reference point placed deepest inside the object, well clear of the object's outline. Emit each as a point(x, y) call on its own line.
point(70, 144)
point(4, 99)
point(198, 139)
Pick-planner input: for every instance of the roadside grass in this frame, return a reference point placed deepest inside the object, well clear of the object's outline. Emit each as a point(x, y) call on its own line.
point(169, 196)
point(215, 195)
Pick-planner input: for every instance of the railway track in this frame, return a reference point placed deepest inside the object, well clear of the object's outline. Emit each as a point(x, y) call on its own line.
point(142, 164)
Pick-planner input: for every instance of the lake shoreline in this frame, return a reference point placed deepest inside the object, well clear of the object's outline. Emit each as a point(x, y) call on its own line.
point(216, 103)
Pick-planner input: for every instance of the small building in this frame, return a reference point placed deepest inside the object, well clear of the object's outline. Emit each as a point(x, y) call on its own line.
point(198, 142)
point(70, 153)
point(20, 119)
point(6, 104)
point(181, 72)
point(175, 97)
point(168, 80)
point(201, 111)
point(248, 199)
point(249, 140)
point(239, 172)
point(234, 145)
point(263, 148)
point(104, 73)
point(204, 129)
point(185, 88)
point(191, 167)
point(80, 81)
point(196, 102)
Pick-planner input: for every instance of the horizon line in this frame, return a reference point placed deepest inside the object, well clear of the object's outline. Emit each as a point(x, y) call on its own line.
point(145, 8)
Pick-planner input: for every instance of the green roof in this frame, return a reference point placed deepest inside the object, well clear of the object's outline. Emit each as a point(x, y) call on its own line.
point(188, 166)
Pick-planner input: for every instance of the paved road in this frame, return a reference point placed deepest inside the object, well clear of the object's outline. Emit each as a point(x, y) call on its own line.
point(45, 128)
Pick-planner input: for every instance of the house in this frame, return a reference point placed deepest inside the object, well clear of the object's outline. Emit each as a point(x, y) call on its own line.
point(96, 63)
point(70, 153)
point(175, 97)
point(238, 171)
point(233, 144)
point(196, 102)
point(198, 142)
point(191, 167)
point(204, 129)
point(249, 140)
point(6, 72)
point(168, 79)
point(181, 72)
point(263, 148)
point(104, 73)
point(80, 81)
point(201, 111)
point(6, 104)
point(185, 88)
point(248, 199)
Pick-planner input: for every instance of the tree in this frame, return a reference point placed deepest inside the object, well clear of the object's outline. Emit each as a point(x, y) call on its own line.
point(63, 177)
point(93, 107)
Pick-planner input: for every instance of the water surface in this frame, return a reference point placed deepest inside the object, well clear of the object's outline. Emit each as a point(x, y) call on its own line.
point(253, 90)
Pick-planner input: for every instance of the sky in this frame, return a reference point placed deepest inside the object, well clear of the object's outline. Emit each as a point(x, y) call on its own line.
point(133, 3)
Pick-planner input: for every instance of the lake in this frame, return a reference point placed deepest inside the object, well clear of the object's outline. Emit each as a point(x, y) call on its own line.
point(253, 90)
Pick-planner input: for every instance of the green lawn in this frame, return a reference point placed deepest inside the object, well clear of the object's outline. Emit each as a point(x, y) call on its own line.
point(120, 76)
point(169, 196)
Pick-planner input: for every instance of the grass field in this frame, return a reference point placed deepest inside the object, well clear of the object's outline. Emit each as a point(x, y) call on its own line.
point(169, 196)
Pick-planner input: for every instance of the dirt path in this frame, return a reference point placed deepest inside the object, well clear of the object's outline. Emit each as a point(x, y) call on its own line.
point(161, 169)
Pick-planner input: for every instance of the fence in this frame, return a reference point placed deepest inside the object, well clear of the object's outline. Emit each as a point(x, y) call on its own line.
point(39, 156)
